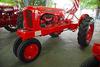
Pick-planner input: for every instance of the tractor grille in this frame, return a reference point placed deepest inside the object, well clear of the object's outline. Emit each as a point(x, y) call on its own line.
point(29, 18)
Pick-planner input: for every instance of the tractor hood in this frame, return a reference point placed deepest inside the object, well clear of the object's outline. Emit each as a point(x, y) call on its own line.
point(43, 9)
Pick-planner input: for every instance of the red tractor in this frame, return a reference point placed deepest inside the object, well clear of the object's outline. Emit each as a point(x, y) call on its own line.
point(8, 17)
point(41, 21)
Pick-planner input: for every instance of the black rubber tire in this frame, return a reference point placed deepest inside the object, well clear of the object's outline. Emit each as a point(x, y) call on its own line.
point(20, 20)
point(82, 33)
point(9, 28)
point(16, 45)
point(24, 44)
point(91, 62)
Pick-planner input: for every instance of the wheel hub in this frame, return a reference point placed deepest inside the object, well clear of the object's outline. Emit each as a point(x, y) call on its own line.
point(30, 52)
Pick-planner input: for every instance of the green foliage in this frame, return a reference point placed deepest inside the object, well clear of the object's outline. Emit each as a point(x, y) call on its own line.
point(38, 2)
point(90, 3)
point(32, 2)
point(8, 1)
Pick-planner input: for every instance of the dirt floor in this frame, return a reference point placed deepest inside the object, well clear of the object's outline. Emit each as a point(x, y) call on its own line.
point(56, 52)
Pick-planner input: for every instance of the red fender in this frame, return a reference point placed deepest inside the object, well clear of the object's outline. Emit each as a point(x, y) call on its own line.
point(96, 51)
point(83, 16)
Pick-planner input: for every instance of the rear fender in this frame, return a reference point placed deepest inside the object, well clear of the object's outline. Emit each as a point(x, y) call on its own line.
point(83, 17)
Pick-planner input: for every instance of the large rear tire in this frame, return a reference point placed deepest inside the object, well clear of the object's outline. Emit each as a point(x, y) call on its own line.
point(85, 32)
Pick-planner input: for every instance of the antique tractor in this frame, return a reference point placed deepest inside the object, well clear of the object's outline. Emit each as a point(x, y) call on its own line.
point(8, 17)
point(41, 21)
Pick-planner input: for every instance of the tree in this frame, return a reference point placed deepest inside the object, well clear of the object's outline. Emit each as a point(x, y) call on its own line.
point(8, 1)
point(98, 10)
point(32, 2)
point(38, 2)
point(91, 4)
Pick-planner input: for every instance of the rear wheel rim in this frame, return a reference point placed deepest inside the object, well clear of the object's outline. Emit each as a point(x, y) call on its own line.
point(90, 33)
point(31, 51)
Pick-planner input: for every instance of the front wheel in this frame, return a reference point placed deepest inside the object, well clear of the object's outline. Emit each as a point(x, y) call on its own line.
point(29, 50)
point(16, 45)
point(85, 32)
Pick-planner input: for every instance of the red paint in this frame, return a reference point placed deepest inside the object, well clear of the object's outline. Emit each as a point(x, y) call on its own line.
point(30, 51)
point(36, 23)
point(90, 33)
point(96, 51)
point(32, 21)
